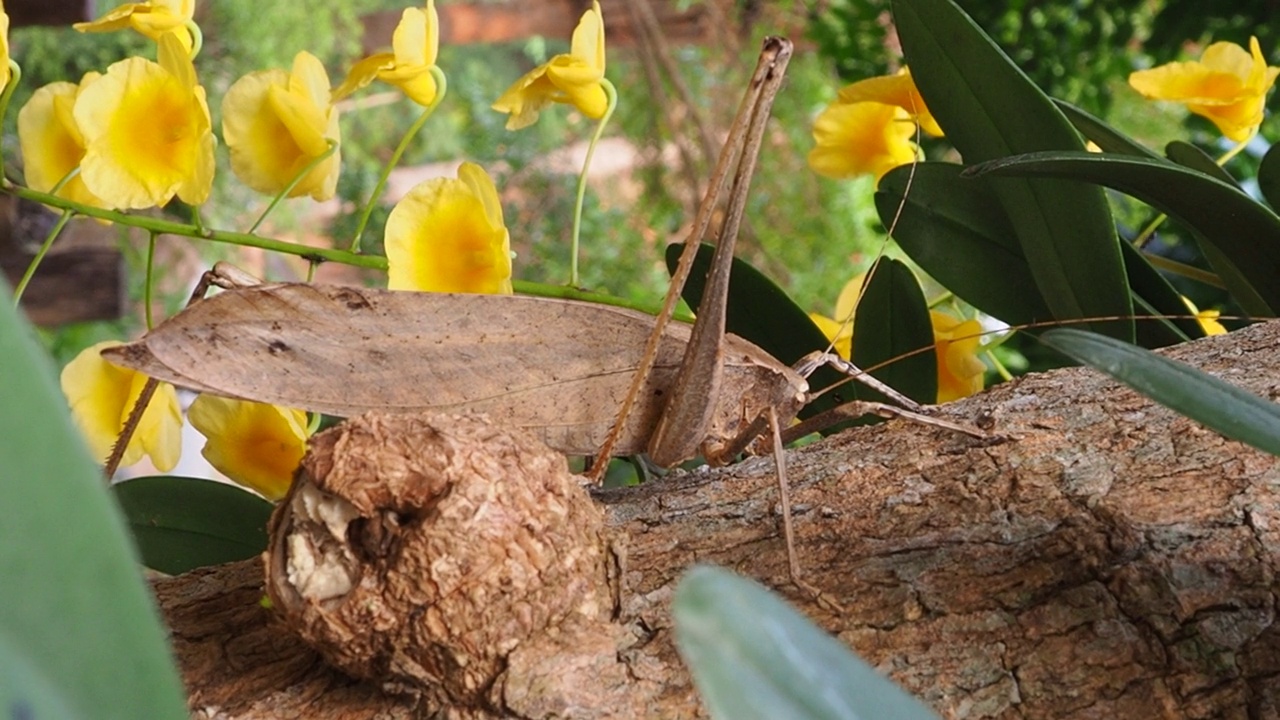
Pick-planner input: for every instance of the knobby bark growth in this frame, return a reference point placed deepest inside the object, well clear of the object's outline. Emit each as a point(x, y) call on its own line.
point(1100, 556)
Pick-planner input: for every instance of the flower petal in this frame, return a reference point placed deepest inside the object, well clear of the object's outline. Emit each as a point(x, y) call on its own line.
point(147, 135)
point(102, 395)
point(897, 90)
point(587, 45)
point(960, 372)
point(363, 73)
point(255, 444)
point(52, 145)
point(443, 236)
point(526, 97)
point(866, 137)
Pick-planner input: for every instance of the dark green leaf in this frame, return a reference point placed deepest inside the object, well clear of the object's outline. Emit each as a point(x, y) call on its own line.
point(1102, 134)
point(1269, 177)
point(761, 312)
point(753, 656)
point(891, 326)
point(1155, 298)
point(990, 109)
point(75, 616)
point(1219, 405)
point(956, 230)
point(1240, 237)
point(184, 523)
point(1190, 156)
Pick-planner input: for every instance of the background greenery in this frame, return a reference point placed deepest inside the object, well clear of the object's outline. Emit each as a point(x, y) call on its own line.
point(810, 234)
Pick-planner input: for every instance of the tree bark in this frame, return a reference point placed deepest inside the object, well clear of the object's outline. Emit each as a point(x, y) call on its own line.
point(1097, 557)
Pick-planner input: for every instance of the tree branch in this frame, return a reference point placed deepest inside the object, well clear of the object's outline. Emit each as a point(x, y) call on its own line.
point(1100, 557)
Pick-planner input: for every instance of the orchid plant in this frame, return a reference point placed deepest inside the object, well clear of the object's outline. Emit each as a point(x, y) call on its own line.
point(1021, 233)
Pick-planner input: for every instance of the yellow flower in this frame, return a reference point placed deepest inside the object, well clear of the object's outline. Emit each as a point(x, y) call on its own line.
point(51, 143)
point(574, 79)
point(1208, 319)
point(899, 90)
point(102, 395)
point(865, 137)
point(448, 236)
point(6, 72)
point(415, 44)
point(254, 444)
point(960, 372)
point(153, 19)
point(147, 131)
point(275, 123)
point(1228, 85)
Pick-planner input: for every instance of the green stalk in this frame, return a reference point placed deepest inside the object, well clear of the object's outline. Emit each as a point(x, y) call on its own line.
point(333, 145)
point(612, 93)
point(169, 227)
point(149, 280)
point(442, 85)
point(44, 250)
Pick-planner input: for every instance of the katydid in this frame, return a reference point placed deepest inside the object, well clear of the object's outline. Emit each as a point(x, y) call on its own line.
point(559, 368)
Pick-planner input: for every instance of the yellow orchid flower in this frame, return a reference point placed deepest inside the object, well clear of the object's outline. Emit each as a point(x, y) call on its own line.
point(275, 123)
point(256, 445)
point(899, 90)
point(147, 132)
point(448, 236)
point(1208, 319)
point(573, 79)
point(960, 372)
point(51, 142)
point(859, 138)
point(1228, 85)
point(102, 395)
point(415, 44)
point(153, 19)
point(6, 72)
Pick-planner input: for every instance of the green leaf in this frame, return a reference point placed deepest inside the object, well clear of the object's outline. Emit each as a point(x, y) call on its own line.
point(1239, 237)
point(1190, 156)
point(75, 615)
point(1103, 135)
point(1269, 177)
point(1218, 405)
point(181, 523)
point(761, 312)
point(892, 326)
point(753, 656)
point(990, 109)
point(957, 232)
point(954, 228)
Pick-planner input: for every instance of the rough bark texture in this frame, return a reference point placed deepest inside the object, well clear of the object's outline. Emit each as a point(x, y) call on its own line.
point(1103, 558)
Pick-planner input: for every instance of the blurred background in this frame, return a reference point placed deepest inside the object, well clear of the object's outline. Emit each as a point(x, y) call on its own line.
point(680, 68)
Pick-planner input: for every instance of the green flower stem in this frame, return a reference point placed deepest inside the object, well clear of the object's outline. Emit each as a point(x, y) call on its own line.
point(15, 74)
point(442, 87)
point(1187, 271)
point(1000, 369)
point(168, 227)
point(612, 93)
point(44, 250)
point(197, 37)
point(1226, 157)
point(333, 145)
point(149, 281)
